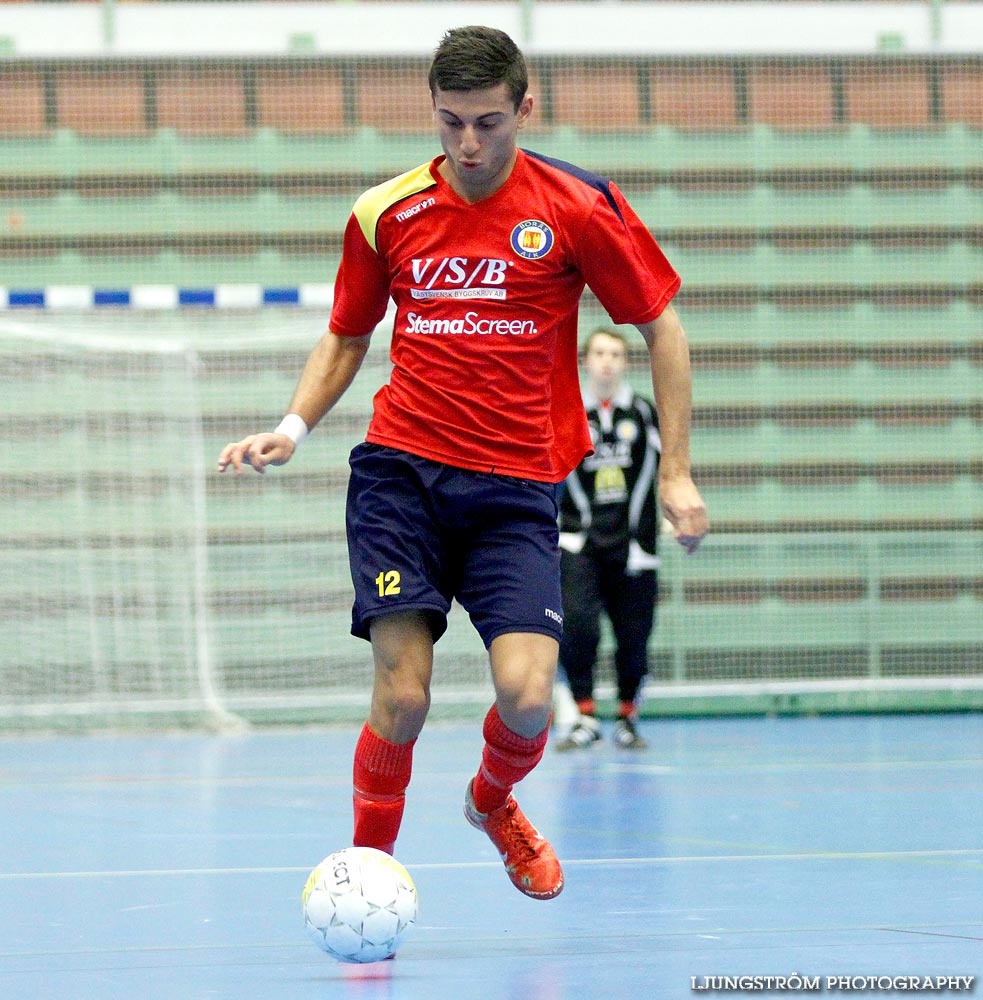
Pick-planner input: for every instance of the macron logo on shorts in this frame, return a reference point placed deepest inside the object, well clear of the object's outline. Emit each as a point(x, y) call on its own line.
point(550, 613)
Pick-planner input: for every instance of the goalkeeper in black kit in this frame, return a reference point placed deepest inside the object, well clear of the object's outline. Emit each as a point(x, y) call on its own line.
point(608, 535)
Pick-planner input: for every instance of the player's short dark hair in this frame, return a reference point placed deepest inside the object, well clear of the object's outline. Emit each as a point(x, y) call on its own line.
point(476, 58)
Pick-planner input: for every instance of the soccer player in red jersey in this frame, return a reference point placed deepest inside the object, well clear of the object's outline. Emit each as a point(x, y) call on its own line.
point(485, 252)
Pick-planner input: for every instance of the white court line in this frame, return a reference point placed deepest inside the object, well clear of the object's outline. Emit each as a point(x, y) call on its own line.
point(50, 779)
point(967, 852)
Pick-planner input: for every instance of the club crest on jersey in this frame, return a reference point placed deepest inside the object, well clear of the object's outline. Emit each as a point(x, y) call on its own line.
point(532, 239)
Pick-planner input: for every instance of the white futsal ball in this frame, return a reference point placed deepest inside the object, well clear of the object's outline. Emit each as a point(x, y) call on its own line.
point(358, 904)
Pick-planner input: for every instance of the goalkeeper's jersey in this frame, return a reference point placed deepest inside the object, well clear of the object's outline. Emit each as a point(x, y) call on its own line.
point(609, 500)
point(484, 344)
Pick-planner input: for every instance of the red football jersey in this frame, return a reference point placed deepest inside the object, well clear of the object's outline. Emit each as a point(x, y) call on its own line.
point(484, 346)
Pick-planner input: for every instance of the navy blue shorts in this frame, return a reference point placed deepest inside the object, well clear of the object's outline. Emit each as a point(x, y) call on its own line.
point(421, 533)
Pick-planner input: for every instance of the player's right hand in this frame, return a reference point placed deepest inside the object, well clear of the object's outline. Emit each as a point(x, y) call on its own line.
point(257, 450)
point(683, 507)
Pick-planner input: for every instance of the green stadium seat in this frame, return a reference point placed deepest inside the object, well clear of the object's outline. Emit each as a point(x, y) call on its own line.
point(856, 208)
point(957, 323)
point(267, 268)
point(862, 443)
point(941, 624)
point(858, 266)
point(210, 214)
point(659, 151)
point(774, 504)
point(189, 214)
point(862, 147)
point(862, 384)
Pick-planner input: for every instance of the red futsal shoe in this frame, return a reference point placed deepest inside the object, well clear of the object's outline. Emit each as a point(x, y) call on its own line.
point(529, 859)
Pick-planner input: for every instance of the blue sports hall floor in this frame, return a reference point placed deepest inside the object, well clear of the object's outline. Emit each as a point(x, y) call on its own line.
point(171, 867)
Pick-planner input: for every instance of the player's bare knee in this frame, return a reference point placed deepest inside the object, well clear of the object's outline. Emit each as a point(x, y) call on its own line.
point(399, 711)
point(528, 688)
point(409, 703)
point(526, 710)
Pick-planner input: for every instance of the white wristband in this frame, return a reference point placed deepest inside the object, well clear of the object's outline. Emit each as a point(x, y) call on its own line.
point(294, 427)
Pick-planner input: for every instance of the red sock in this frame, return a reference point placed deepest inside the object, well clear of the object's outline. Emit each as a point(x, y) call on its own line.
point(506, 759)
point(586, 706)
point(627, 710)
point(381, 773)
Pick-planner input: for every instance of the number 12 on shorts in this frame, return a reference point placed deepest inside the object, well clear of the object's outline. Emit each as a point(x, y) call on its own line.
point(388, 583)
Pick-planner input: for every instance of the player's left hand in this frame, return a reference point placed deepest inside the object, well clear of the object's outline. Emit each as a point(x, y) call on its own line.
point(685, 510)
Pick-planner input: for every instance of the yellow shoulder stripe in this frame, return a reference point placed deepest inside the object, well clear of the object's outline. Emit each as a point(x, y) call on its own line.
point(376, 200)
